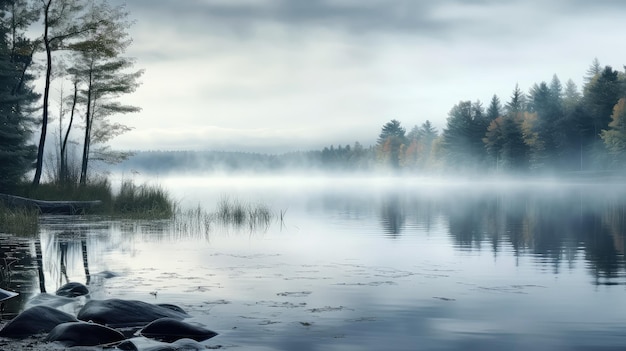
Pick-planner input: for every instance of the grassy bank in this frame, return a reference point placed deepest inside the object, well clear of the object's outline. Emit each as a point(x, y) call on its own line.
point(132, 201)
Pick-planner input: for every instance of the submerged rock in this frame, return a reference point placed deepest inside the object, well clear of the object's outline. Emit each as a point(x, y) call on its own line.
point(84, 334)
point(72, 289)
point(144, 344)
point(35, 320)
point(170, 330)
point(106, 274)
point(126, 313)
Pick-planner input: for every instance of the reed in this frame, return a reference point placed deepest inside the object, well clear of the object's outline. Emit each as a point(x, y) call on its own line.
point(236, 213)
point(143, 201)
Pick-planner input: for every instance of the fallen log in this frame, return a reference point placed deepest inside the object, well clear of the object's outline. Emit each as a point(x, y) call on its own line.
point(49, 207)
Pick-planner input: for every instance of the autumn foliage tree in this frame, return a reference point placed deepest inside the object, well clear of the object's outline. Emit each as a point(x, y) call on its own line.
point(615, 137)
point(392, 143)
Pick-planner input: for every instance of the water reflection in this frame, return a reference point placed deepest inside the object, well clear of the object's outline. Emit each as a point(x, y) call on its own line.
point(17, 266)
point(549, 230)
point(554, 225)
point(392, 215)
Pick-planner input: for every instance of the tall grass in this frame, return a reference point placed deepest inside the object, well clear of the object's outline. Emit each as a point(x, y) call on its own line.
point(143, 201)
point(135, 201)
point(228, 213)
point(99, 189)
point(236, 213)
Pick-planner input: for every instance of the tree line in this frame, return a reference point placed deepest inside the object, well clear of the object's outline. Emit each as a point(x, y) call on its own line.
point(82, 43)
point(550, 128)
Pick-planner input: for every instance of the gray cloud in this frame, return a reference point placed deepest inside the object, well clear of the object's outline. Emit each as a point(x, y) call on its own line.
point(494, 22)
point(353, 17)
point(293, 65)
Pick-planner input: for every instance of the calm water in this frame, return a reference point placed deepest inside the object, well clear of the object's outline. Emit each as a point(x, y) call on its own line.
point(362, 264)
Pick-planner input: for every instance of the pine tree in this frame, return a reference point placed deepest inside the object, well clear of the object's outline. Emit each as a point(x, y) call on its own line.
point(16, 98)
point(594, 69)
point(391, 143)
point(517, 104)
point(463, 136)
point(495, 109)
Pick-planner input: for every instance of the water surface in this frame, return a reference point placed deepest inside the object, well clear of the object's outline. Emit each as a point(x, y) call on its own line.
point(362, 264)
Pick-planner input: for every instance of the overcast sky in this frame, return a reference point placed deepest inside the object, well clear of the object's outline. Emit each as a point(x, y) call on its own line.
point(283, 75)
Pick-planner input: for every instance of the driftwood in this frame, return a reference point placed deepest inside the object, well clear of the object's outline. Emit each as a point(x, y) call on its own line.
point(49, 207)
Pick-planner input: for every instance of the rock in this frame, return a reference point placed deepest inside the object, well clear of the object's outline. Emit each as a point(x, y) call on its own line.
point(126, 313)
point(144, 344)
point(84, 334)
point(49, 300)
point(106, 274)
point(35, 320)
point(170, 330)
point(172, 307)
point(72, 289)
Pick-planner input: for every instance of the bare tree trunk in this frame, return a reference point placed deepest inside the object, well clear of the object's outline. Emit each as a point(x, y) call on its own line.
point(88, 126)
point(64, 167)
point(46, 96)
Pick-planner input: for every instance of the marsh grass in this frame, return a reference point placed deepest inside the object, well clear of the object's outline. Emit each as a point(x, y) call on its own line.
point(131, 201)
point(99, 189)
point(229, 213)
point(233, 212)
point(19, 221)
point(143, 201)
point(192, 221)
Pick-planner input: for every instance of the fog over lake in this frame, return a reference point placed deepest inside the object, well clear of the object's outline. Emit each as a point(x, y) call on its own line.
point(363, 263)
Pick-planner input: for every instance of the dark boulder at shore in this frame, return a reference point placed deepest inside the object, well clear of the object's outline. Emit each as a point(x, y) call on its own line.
point(126, 313)
point(35, 320)
point(72, 289)
point(170, 330)
point(84, 334)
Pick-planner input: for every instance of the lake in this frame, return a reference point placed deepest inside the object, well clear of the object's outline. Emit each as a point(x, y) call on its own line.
point(360, 263)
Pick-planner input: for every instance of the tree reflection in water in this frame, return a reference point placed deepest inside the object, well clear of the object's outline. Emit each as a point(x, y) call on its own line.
point(392, 215)
point(553, 226)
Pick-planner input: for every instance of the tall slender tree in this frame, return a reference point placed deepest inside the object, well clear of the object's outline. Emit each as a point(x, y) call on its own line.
point(391, 142)
point(495, 108)
point(463, 136)
point(60, 27)
point(105, 75)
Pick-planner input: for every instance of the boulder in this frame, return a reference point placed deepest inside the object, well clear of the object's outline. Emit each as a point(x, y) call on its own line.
point(144, 344)
point(35, 320)
point(72, 289)
point(170, 330)
point(126, 313)
point(84, 334)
